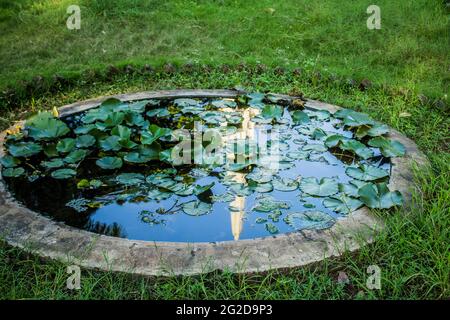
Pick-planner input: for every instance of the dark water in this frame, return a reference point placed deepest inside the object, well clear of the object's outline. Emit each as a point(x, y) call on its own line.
point(123, 219)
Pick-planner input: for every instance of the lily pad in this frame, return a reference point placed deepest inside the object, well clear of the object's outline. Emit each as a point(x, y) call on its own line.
point(314, 147)
point(342, 204)
point(65, 145)
point(284, 184)
point(13, 172)
point(268, 204)
point(196, 208)
point(53, 164)
point(271, 228)
point(64, 174)
point(322, 188)
point(154, 133)
point(315, 220)
point(85, 141)
point(109, 163)
point(24, 149)
point(388, 148)
point(130, 178)
point(378, 196)
point(300, 117)
point(159, 112)
point(366, 172)
point(44, 126)
point(9, 162)
point(111, 143)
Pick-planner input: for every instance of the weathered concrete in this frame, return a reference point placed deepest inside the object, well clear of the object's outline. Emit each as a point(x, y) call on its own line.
point(26, 229)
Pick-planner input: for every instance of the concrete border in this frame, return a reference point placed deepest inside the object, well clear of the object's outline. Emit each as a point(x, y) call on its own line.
point(24, 228)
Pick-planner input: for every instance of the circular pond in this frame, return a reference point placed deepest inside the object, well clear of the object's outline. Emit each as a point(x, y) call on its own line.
point(203, 167)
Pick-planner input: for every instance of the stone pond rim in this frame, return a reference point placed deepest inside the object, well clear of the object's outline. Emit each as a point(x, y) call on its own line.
point(29, 230)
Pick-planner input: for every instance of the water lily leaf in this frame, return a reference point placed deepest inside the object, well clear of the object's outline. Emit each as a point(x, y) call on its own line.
point(322, 188)
point(114, 119)
point(334, 140)
point(13, 172)
point(224, 103)
point(84, 129)
point(44, 126)
point(144, 154)
point(154, 133)
point(298, 155)
point(76, 156)
point(9, 162)
point(378, 196)
point(136, 119)
point(357, 148)
point(314, 147)
point(260, 220)
point(130, 178)
point(234, 117)
point(309, 220)
point(111, 143)
point(372, 131)
point(109, 163)
point(121, 131)
point(300, 117)
point(24, 149)
point(159, 112)
point(271, 228)
point(356, 119)
point(388, 148)
point(201, 189)
point(259, 176)
point(272, 112)
point(319, 134)
point(213, 117)
point(65, 145)
point(196, 208)
point(138, 106)
point(97, 114)
point(269, 204)
point(52, 164)
point(284, 184)
point(238, 166)
point(158, 195)
point(182, 103)
point(225, 197)
point(366, 172)
point(241, 189)
point(64, 173)
point(320, 115)
point(85, 141)
point(260, 187)
point(342, 204)
point(255, 100)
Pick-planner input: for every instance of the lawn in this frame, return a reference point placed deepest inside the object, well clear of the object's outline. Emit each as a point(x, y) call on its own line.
point(407, 62)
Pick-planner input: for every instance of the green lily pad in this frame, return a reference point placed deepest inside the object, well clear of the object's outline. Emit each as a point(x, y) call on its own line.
point(154, 133)
point(300, 117)
point(121, 131)
point(271, 228)
point(213, 117)
point(260, 220)
point(378, 196)
point(159, 113)
point(50, 150)
point(388, 148)
point(314, 147)
point(76, 156)
point(114, 119)
point(320, 115)
point(53, 164)
point(85, 141)
point(143, 154)
point(130, 178)
point(13, 172)
point(366, 172)
point(342, 204)
point(309, 220)
point(201, 189)
point(196, 208)
point(64, 174)
point(284, 184)
point(268, 204)
point(260, 187)
point(84, 129)
point(65, 145)
point(272, 112)
point(44, 126)
point(9, 162)
point(109, 163)
point(356, 119)
point(372, 131)
point(322, 188)
point(24, 149)
point(111, 143)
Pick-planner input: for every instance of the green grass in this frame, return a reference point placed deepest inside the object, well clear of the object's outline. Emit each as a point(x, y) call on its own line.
point(408, 56)
point(413, 251)
point(410, 51)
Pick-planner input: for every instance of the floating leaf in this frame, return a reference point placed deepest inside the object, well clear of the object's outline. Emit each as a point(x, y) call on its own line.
point(130, 178)
point(52, 164)
point(320, 115)
point(154, 133)
point(272, 112)
point(50, 150)
point(356, 119)
point(357, 148)
point(201, 189)
point(342, 204)
point(271, 228)
point(260, 220)
point(159, 112)
point(284, 184)
point(224, 103)
point(64, 173)
point(9, 162)
point(213, 117)
point(111, 143)
point(109, 163)
point(315, 220)
point(300, 117)
point(114, 119)
point(314, 147)
point(322, 188)
point(378, 196)
point(268, 204)
point(75, 156)
point(143, 154)
point(121, 131)
point(372, 131)
point(13, 172)
point(196, 208)
point(24, 149)
point(366, 172)
point(65, 145)
point(44, 126)
point(85, 141)
point(388, 148)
